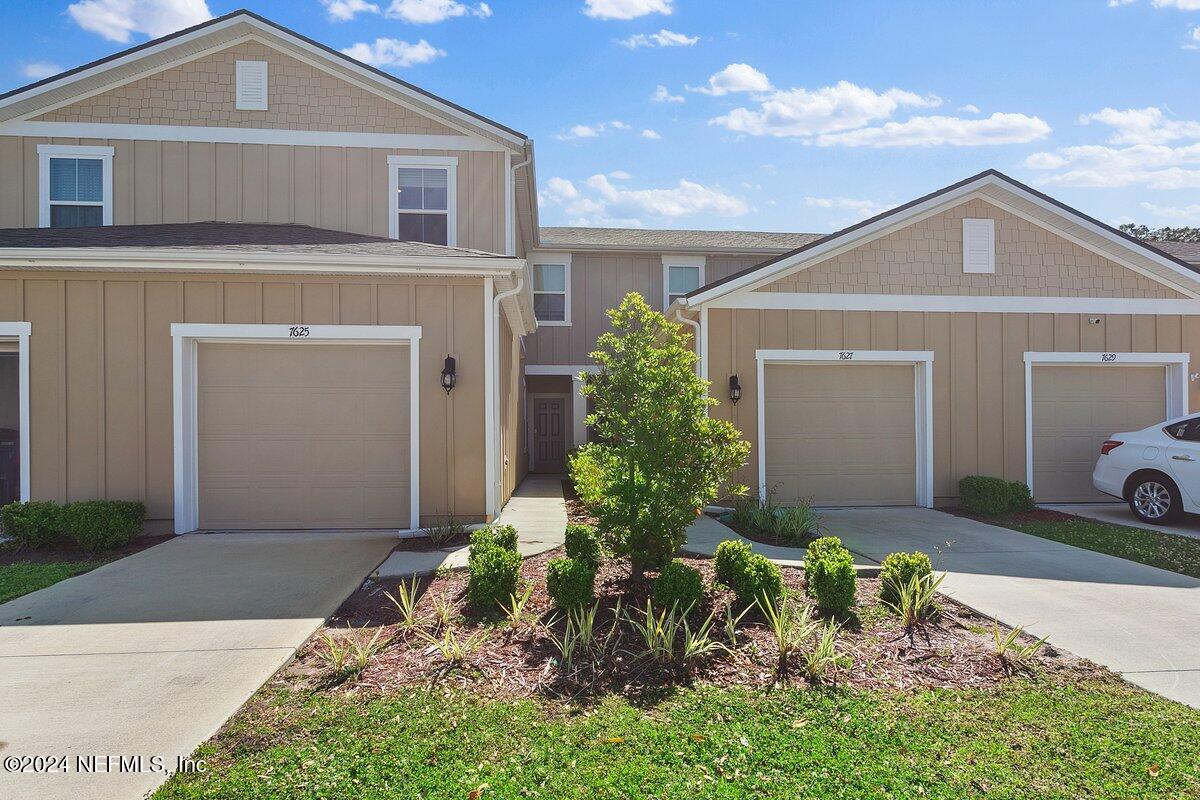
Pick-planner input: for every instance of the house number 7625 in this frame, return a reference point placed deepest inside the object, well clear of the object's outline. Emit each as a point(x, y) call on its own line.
point(298, 331)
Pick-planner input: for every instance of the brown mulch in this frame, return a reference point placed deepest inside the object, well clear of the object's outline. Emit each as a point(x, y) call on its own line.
point(576, 511)
point(1032, 515)
point(953, 650)
point(70, 552)
point(753, 535)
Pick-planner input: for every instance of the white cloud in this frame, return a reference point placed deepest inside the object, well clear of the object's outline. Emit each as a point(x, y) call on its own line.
point(1188, 214)
point(394, 53)
point(118, 20)
point(664, 38)
point(969, 108)
point(800, 112)
point(625, 9)
point(599, 202)
point(734, 78)
point(343, 10)
point(939, 130)
point(861, 208)
point(618, 125)
point(662, 95)
point(1142, 126)
point(582, 131)
point(427, 12)
point(40, 69)
point(1182, 5)
point(649, 133)
point(620, 174)
point(1195, 43)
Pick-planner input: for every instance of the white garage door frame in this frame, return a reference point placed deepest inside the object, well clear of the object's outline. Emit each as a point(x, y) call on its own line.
point(1176, 369)
point(186, 338)
point(922, 363)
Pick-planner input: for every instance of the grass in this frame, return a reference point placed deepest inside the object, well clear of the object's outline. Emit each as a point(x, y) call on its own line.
point(29, 576)
point(1096, 740)
point(1156, 548)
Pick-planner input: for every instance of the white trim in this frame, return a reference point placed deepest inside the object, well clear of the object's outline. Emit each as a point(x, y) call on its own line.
point(246, 75)
point(529, 400)
point(185, 338)
point(922, 362)
point(49, 151)
point(578, 412)
point(448, 163)
point(489, 406)
point(1175, 364)
point(561, 369)
point(553, 259)
point(929, 302)
point(668, 261)
point(19, 332)
point(201, 133)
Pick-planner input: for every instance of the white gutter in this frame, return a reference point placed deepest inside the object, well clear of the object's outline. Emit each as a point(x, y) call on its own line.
point(699, 337)
point(510, 220)
point(497, 468)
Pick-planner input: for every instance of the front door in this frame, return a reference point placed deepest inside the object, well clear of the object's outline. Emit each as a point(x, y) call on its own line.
point(549, 441)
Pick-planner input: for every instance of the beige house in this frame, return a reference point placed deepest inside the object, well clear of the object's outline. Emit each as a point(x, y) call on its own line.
point(258, 284)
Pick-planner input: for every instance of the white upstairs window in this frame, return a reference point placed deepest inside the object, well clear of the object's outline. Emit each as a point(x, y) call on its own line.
point(979, 246)
point(75, 188)
point(681, 274)
point(552, 288)
point(421, 205)
point(251, 85)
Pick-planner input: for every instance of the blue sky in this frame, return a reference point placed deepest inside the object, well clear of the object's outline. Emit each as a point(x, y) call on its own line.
point(802, 116)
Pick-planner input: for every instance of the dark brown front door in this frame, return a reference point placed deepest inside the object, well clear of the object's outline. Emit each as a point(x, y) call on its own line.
point(549, 443)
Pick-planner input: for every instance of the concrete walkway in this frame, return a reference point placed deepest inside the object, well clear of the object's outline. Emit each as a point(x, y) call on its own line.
point(1137, 620)
point(149, 655)
point(537, 510)
point(1119, 514)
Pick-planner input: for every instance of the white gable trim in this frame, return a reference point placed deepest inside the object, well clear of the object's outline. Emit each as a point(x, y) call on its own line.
point(837, 244)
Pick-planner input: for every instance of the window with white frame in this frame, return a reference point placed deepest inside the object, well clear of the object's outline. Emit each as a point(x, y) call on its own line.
point(422, 198)
point(681, 274)
point(74, 186)
point(552, 289)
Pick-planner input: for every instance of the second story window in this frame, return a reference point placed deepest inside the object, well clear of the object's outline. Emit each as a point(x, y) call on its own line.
point(552, 288)
point(422, 201)
point(75, 186)
point(681, 274)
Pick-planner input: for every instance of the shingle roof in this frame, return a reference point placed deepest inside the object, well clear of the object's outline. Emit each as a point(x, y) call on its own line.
point(1184, 251)
point(673, 240)
point(229, 237)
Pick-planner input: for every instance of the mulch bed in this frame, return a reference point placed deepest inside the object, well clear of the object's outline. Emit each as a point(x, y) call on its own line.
point(755, 536)
point(954, 650)
point(576, 511)
point(1032, 515)
point(70, 552)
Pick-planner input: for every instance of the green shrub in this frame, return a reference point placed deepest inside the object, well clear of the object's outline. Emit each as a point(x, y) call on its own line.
point(570, 582)
point(898, 570)
point(760, 576)
point(36, 523)
point(678, 585)
point(730, 560)
point(1019, 496)
point(493, 570)
point(981, 494)
point(790, 525)
point(829, 574)
point(502, 536)
point(97, 525)
point(583, 544)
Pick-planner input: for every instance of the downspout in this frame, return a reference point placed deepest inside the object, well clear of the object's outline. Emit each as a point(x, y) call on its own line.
point(510, 233)
point(495, 399)
point(699, 339)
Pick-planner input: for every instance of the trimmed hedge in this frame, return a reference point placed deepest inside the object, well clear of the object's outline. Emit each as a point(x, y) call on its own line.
point(493, 566)
point(981, 494)
point(36, 523)
point(570, 582)
point(730, 560)
point(760, 576)
point(94, 525)
point(898, 570)
point(583, 544)
point(678, 585)
point(502, 536)
point(829, 574)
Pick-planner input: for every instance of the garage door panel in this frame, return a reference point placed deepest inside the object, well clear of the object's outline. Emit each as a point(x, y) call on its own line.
point(1075, 408)
point(840, 434)
point(303, 435)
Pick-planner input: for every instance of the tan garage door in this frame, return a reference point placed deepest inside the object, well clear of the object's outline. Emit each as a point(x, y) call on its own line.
point(303, 435)
point(1074, 410)
point(841, 434)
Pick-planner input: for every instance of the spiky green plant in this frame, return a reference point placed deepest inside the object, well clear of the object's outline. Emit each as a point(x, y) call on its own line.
point(791, 625)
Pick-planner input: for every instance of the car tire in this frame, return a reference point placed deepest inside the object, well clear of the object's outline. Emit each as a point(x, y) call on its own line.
point(1155, 499)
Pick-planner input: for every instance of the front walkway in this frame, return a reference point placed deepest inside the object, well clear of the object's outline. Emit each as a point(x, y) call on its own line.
point(147, 656)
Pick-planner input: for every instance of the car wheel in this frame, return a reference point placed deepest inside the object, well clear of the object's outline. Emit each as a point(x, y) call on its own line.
point(1154, 499)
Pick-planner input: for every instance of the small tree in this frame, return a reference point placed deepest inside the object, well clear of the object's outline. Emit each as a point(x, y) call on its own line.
point(658, 457)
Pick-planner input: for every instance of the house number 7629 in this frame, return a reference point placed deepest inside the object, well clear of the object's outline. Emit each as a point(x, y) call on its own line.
point(298, 331)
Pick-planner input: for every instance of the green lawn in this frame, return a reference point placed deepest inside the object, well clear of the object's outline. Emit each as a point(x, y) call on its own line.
point(1096, 740)
point(27, 576)
point(1156, 548)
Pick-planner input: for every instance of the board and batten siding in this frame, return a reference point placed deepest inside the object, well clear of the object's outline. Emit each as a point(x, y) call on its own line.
point(599, 281)
point(339, 188)
point(978, 369)
point(101, 420)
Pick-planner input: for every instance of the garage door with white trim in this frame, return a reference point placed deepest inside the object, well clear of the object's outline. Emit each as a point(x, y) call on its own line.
point(841, 435)
point(303, 435)
point(1075, 408)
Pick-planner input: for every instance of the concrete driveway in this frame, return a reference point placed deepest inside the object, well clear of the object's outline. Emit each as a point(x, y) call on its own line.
point(1139, 621)
point(149, 655)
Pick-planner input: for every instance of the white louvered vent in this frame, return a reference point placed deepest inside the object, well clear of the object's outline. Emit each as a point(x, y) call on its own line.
point(979, 245)
point(252, 85)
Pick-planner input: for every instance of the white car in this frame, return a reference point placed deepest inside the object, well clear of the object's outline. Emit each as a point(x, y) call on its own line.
point(1156, 470)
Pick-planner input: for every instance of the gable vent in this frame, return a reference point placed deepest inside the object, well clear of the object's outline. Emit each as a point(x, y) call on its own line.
point(252, 85)
point(979, 245)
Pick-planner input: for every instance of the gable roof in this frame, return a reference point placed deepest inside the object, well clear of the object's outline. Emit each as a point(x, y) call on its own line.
point(1184, 251)
point(97, 74)
point(992, 185)
point(673, 240)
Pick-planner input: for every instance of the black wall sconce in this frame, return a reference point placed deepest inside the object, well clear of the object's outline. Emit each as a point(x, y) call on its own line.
point(449, 374)
point(735, 389)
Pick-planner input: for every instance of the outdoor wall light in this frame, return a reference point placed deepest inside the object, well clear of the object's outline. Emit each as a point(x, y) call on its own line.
point(449, 375)
point(735, 389)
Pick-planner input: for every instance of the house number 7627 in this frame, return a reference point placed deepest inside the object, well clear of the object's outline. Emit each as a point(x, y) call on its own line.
point(298, 331)
point(845, 355)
